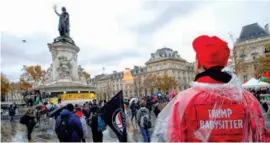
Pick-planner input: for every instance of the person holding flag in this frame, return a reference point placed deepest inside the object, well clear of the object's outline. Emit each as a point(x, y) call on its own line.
point(113, 114)
point(216, 108)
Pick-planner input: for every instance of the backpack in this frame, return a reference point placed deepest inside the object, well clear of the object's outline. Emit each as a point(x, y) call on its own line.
point(63, 131)
point(145, 122)
point(101, 124)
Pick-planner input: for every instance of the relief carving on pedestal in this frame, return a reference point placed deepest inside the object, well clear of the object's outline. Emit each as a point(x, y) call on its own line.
point(64, 68)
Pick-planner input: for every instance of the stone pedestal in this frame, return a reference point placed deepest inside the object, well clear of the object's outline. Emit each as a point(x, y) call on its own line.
point(64, 75)
point(64, 61)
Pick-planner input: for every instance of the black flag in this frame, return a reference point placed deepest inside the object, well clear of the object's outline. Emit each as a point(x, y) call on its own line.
point(113, 114)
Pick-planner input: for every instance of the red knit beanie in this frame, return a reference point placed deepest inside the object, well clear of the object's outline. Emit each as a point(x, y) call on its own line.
point(211, 51)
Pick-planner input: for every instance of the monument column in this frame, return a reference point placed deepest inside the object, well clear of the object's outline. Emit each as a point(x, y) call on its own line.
point(64, 74)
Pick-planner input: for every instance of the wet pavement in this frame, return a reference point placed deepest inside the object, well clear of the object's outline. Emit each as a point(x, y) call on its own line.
point(16, 132)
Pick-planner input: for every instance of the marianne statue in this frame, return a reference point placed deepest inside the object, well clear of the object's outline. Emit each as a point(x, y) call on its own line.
point(63, 26)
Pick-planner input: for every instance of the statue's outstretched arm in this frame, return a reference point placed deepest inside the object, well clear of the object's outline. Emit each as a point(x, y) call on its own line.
point(54, 7)
point(56, 12)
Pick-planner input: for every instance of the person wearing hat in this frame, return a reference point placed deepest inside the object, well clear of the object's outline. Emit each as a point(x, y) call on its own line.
point(29, 121)
point(216, 108)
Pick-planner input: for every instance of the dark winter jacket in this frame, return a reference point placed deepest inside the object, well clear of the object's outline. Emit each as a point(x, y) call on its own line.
point(156, 110)
point(12, 111)
point(133, 107)
point(74, 122)
point(94, 108)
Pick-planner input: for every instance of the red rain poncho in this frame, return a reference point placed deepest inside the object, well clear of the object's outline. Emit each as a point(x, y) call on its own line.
point(212, 112)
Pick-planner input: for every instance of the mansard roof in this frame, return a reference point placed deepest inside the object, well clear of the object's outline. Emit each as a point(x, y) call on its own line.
point(252, 31)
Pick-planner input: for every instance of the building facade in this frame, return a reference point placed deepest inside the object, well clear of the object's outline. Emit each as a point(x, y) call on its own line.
point(164, 61)
point(248, 48)
point(102, 84)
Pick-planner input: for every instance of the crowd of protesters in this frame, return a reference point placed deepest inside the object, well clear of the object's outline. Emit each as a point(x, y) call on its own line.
point(214, 109)
point(141, 110)
point(71, 122)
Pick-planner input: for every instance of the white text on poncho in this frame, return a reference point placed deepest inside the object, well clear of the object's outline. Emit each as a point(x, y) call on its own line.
point(215, 123)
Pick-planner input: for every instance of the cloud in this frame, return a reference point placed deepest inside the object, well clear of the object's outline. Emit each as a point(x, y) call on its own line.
point(216, 18)
point(120, 33)
point(15, 53)
point(33, 49)
point(164, 12)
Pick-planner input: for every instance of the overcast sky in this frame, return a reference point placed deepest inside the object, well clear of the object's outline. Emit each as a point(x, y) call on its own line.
point(117, 34)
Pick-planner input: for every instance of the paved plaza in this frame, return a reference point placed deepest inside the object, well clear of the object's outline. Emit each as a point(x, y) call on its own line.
point(16, 132)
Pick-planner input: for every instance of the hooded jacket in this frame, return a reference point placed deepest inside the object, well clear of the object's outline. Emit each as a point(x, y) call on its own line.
point(74, 122)
point(142, 111)
point(211, 111)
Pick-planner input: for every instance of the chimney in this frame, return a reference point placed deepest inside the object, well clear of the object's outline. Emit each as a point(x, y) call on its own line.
point(266, 27)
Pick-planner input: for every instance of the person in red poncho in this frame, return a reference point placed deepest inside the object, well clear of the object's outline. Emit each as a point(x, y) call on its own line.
point(216, 108)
